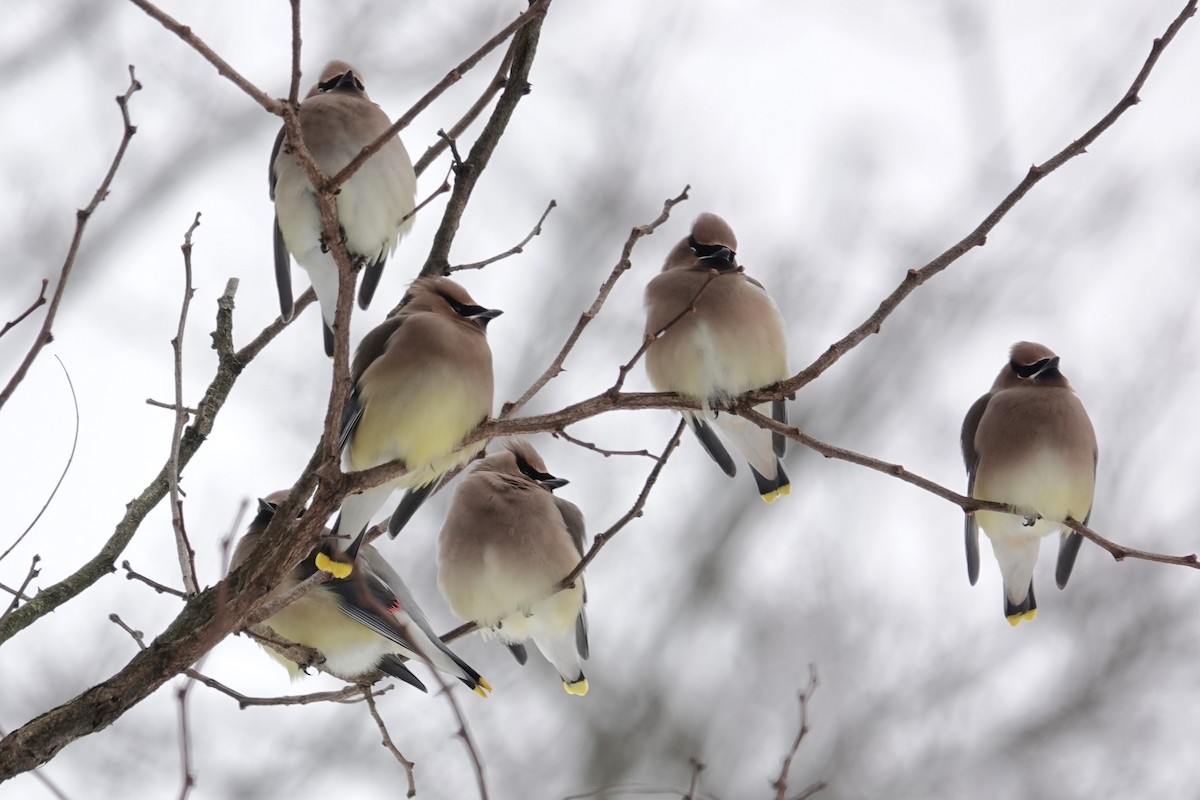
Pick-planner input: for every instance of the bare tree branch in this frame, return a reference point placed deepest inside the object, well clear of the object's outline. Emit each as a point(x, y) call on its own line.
point(530, 19)
point(647, 789)
point(183, 548)
point(978, 237)
point(20, 592)
point(185, 742)
point(82, 216)
point(633, 513)
point(622, 266)
point(780, 785)
point(133, 575)
point(464, 733)
point(596, 449)
point(524, 48)
point(196, 43)
point(38, 303)
point(17, 593)
point(493, 88)
point(694, 787)
point(387, 742)
point(230, 365)
point(347, 694)
point(66, 467)
point(294, 85)
point(150, 401)
point(516, 249)
point(690, 308)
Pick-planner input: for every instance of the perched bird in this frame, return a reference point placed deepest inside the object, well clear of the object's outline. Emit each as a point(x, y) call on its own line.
point(1028, 443)
point(338, 120)
point(507, 541)
point(723, 337)
point(422, 380)
point(359, 623)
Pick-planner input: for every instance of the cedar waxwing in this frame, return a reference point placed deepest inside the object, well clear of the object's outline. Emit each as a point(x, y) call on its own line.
point(1028, 443)
point(731, 342)
point(505, 544)
point(422, 381)
point(338, 121)
point(359, 623)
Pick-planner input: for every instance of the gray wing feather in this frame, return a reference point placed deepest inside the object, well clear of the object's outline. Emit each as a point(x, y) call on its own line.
point(971, 461)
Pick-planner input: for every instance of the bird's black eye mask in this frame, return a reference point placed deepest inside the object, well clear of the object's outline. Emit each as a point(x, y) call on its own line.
point(474, 313)
point(529, 472)
point(347, 80)
point(544, 479)
point(1045, 366)
point(718, 256)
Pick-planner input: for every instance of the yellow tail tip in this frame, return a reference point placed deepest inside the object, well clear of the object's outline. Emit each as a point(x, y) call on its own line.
point(337, 569)
point(482, 688)
point(579, 688)
point(1017, 619)
point(774, 494)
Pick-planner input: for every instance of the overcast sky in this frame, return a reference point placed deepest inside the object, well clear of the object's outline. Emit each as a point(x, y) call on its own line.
point(846, 142)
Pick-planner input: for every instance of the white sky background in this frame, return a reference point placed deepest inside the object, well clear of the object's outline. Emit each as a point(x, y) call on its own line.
point(846, 142)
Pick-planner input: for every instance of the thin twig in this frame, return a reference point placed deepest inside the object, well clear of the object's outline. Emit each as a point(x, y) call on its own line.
point(230, 364)
point(464, 733)
point(626, 789)
point(809, 791)
point(456, 159)
point(596, 449)
point(20, 592)
point(294, 85)
point(347, 694)
point(20, 595)
point(185, 745)
point(1120, 552)
point(978, 237)
point(38, 303)
point(694, 786)
point(193, 41)
point(530, 17)
point(649, 339)
point(132, 575)
point(516, 249)
point(524, 49)
point(66, 467)
point(443, 187)
point(622, 266)
point(183, 548)
point(633, 513)
point(387, 742)
point(150, 401)
point(493, 88)
point(805, 695)
point(137, 635)
point(82, 216)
